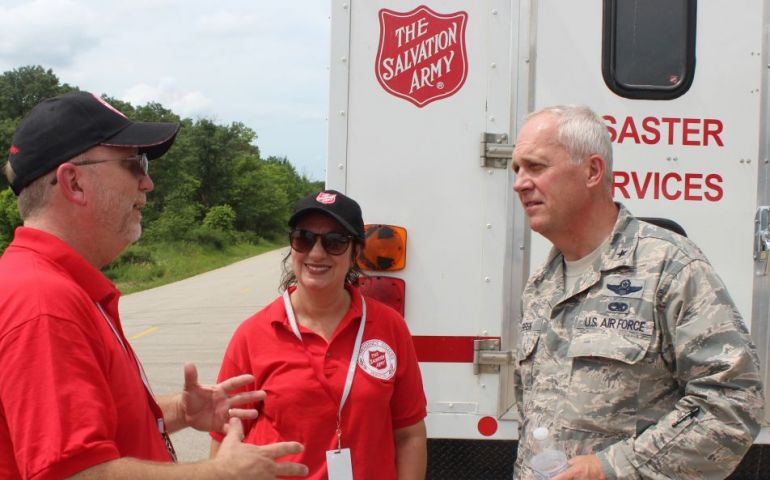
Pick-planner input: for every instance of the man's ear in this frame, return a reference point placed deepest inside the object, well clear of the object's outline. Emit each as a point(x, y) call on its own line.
point(70, 181)
point(596, 169)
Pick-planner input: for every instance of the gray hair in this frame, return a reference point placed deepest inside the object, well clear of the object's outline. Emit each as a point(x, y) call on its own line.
point(582, 133)
point(34, 196)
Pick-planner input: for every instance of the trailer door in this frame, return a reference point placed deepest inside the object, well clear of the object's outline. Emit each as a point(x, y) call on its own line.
point(413, 89)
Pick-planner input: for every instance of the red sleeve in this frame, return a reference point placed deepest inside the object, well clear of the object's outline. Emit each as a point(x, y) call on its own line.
point(55, 399)
point(408, 403)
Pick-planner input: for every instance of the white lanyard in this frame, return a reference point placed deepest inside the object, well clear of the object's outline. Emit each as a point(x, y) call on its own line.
point(353, 356)
point(161, 424)
point(120, 340)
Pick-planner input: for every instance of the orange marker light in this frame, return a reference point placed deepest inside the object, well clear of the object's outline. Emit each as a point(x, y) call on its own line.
point(385, 248)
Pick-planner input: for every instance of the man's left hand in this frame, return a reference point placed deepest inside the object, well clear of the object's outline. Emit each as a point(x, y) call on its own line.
point(583, 467)
point(209, 407)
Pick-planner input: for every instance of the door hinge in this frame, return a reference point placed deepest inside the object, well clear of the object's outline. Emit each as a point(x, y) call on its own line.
point(487, 356)
point(495, 150)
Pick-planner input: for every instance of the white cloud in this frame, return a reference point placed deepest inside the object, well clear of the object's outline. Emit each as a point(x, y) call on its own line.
point(258, 62)
point(229, 23)
point(47, 32)
point(167, 92)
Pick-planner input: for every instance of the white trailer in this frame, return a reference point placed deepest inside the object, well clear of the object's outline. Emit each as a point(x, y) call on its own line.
point(425, 99)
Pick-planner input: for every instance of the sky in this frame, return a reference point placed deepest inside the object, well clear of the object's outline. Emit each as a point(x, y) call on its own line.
point(258, 62)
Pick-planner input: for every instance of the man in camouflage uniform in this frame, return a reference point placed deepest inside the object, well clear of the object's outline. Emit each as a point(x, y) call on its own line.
point(630, 351)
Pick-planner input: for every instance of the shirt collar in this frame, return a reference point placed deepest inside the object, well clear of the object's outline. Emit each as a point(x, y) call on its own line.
point(98, 287)
point(354, 311)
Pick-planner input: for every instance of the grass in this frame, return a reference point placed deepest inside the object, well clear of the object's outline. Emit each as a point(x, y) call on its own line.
point(149, 265)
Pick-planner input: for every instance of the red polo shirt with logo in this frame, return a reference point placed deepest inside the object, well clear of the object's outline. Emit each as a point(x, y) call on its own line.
point(70, 394)
point(387, 391)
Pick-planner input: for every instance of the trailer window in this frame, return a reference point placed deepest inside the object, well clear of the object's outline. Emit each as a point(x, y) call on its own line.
point(648, 48)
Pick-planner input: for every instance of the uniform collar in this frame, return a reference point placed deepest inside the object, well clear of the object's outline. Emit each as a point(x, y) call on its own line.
point(619, 253)
point(98, 287)
point(625, 238)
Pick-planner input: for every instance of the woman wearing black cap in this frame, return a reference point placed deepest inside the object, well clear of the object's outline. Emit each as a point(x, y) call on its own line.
point(339, 369)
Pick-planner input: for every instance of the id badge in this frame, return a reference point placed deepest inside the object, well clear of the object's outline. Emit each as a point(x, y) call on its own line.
point(339, 465)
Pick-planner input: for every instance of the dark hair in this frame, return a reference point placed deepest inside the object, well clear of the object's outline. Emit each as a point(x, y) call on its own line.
point(288, 278)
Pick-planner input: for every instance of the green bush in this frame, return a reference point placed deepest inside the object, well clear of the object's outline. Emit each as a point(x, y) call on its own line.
point(206, 236)
point(173, 225)
point(220, 217)
point(135, 254)
point(137, 262)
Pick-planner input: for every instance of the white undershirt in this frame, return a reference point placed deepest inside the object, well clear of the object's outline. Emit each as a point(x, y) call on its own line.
point(574, 269)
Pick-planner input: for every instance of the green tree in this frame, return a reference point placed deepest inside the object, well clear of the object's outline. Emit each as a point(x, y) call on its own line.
point(9, 217)
point(23, 88)
point(215, 148)
point(265, 191)
point(178, 214)
point(261, 205)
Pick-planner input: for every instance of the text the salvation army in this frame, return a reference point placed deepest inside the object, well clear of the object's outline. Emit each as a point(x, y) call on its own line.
point(429, 54)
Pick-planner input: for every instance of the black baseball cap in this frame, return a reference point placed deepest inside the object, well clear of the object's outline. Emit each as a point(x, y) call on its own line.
point(331, 202)
point(62, 127)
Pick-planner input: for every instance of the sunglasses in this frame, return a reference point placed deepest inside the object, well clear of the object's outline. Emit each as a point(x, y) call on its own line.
point(138, 164)
point(335, 243)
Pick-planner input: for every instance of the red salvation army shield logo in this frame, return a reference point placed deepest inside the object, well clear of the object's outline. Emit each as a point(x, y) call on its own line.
point(377, 359)
point(421, 56)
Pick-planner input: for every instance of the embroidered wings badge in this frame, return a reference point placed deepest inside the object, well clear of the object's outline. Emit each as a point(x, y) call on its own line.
point(624, 288)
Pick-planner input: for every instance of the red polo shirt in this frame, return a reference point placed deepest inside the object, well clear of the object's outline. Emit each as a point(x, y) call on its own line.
point(386, 394)
point(70, 394)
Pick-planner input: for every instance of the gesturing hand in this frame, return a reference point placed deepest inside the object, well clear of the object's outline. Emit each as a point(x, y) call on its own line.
point(239, 460)
point(209, 407)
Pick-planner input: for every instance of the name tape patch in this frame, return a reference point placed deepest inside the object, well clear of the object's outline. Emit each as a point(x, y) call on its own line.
point(641, 327)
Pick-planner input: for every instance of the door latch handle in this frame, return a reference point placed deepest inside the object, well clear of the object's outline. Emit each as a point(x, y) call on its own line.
point(761, 240)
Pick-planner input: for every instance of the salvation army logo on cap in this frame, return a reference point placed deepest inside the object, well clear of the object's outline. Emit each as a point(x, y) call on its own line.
point(326, 198)
point(377, 359)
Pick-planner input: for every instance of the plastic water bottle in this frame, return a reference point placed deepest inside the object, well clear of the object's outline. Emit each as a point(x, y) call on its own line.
point(547, 461)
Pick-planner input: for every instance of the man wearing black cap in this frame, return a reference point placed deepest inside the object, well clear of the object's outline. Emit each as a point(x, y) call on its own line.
point(74, 401)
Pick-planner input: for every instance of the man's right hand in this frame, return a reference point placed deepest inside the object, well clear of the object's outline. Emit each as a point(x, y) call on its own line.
point(241, 460)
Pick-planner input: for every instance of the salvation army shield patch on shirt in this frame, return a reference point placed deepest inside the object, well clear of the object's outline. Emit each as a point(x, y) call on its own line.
point(377, 359)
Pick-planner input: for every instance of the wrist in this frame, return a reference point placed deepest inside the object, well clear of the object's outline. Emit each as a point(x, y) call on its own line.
point(180, 412)
point(174, 416)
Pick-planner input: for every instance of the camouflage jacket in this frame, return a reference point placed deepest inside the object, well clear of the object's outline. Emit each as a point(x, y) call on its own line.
point(646, 362)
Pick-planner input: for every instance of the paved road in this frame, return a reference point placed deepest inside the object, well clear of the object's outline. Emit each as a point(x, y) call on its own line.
point(192, 321)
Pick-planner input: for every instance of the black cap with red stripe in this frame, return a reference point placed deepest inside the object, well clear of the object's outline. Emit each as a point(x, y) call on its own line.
point(60, 128)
